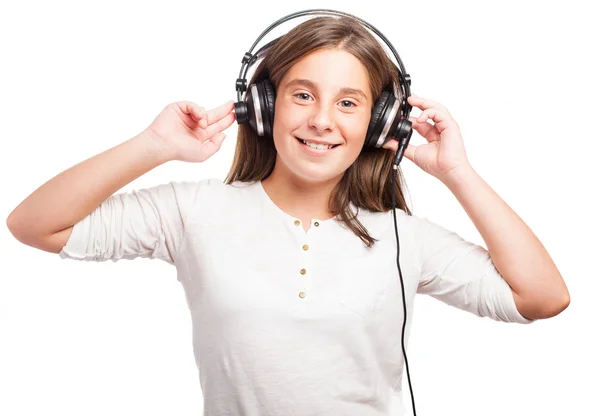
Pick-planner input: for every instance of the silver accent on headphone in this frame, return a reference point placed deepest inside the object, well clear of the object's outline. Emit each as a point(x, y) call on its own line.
point(257, 111)
point(388, 123)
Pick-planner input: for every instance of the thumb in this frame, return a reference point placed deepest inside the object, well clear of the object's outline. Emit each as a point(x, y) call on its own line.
point(409, 153)
point(217, 139)
point(214, 143)
point(204, 150)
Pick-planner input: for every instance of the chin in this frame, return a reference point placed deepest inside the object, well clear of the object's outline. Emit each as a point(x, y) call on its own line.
point(316, 174)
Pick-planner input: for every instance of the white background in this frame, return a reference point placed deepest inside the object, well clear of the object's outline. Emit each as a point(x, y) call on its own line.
point(77, 78)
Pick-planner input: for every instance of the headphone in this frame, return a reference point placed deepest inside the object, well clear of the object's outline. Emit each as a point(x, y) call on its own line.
point(389, 116)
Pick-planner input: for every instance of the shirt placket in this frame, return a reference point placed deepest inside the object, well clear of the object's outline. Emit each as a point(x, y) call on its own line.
point(305, 272)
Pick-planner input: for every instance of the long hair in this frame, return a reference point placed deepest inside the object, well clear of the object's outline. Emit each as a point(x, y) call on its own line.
point(366, 183)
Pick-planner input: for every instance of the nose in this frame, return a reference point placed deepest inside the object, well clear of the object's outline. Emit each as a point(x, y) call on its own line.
point(322, 119)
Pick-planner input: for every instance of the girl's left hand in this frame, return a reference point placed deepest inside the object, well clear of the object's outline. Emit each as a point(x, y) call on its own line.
point(444, 150)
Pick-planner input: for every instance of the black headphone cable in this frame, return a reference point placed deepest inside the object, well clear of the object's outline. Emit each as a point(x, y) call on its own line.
point(395, 172)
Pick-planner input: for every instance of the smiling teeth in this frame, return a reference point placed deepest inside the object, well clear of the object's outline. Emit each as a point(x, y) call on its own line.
point(317, 146)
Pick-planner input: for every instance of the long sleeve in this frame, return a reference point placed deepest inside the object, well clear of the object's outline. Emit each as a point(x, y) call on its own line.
point(142, 223)
point(462, 274)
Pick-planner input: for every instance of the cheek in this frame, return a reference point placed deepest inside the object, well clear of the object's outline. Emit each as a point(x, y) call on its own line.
point(288, 118)
point(288, 115)
point(282, 119)
point(355, 131)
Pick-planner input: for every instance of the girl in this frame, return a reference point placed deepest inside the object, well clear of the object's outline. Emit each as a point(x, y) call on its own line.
point(289, 264)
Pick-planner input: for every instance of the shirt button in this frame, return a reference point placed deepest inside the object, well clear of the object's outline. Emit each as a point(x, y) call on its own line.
point(302, 294)
point(305, 247)
point(316, 223)
point(303, 271)
point(296, 222)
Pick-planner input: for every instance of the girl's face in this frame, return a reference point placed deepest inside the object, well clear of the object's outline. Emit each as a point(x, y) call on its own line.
point(324, 100)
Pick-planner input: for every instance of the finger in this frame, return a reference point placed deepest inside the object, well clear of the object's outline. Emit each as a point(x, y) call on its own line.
point(440, 118)
point(425, 129)
point(220, 125)
point(191, 108)
point(423, 103)
point(196, 112)
point(216, 114)
point(199, 115)
point(408, 152)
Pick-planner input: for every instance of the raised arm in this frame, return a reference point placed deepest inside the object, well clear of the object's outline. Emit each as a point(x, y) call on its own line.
point(182, 131)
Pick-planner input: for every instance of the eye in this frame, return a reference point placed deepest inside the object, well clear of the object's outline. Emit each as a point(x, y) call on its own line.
point(304, 95)
point(349, 102)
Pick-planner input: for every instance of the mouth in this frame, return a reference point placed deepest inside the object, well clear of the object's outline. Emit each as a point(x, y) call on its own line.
point(315, 146)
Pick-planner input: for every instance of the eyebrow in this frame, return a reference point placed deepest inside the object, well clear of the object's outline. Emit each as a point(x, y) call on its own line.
point(309, 84)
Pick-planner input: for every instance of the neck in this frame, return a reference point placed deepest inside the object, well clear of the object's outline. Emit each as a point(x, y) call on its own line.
point(298, 197)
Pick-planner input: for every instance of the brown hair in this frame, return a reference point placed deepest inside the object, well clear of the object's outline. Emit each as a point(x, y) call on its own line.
point(366, 183)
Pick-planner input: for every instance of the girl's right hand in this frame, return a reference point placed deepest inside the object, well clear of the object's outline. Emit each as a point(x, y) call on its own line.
point(187, 132)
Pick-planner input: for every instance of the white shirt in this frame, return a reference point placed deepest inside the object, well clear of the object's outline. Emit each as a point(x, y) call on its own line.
point(288, 322)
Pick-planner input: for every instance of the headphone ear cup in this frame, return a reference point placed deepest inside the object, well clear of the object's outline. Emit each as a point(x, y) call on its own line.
point(262, 99)
point(269, 109)
point(376, 114)
point(258, 108)
point(384, 120)
point(247, 111)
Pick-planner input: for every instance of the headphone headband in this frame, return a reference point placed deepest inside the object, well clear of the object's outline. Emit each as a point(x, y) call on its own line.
point(249, 58)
